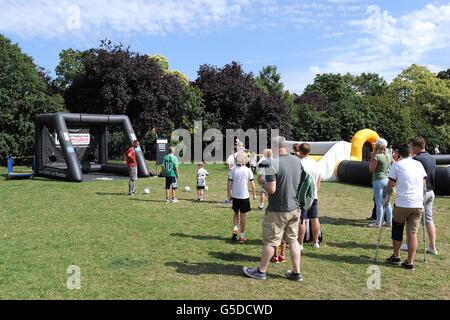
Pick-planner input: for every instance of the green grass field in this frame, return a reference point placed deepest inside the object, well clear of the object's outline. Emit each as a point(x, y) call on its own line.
point(143, 248)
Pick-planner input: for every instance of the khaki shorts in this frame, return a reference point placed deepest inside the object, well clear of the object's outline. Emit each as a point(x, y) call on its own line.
point(410, 216)
point(280, 225)
point(133, 173)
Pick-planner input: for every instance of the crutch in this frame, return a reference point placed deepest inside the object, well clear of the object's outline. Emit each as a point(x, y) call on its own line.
point(424, 227)
point(385, 204)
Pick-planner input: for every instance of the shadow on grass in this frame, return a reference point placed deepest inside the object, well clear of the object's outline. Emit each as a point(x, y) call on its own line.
point(339, 258)
point(231, 256)
point(353, 245)
point(149, 200)
point(344, 221)
point(111, 194)
point(253, 242)
point(204, 201)
point(127, 263)
point(199, 268)
point(182, 201)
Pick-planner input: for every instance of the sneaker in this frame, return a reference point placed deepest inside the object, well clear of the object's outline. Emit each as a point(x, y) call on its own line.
point(234, 238)
point(407, 266)
point(316, 245)
point(432, 251)
point(294, 277)
point(394, 261)
point(281, 258)
point(200, 200)
point(168, 200)
point(374, 226)
point(404, 247)
point(387, 225)
point(275, 260)
point(175, 201)
point(261, 207)
point(254, 273)
point(242, 240)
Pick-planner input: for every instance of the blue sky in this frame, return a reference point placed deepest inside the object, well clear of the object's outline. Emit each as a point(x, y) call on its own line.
point(302, 38)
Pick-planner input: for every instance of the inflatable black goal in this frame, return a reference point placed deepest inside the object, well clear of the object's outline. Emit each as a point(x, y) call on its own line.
point(69, 145)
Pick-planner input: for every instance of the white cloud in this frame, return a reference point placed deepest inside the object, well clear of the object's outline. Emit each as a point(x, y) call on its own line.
point(53, 19)
point(388, 44)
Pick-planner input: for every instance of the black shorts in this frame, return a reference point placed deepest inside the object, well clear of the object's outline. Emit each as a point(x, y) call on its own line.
point(171, 182)
point(241, 205)
point(312, 213)
point(200, 188)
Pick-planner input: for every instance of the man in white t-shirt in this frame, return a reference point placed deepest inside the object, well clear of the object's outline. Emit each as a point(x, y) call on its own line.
point(238, 193)
point(311, 167)
point(410, 178)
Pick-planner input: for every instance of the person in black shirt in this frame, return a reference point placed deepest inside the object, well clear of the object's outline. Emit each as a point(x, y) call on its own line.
point(429, 164)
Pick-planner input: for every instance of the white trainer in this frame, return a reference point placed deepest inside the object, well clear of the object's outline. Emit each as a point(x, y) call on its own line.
point(316, 245)
point(432, 251)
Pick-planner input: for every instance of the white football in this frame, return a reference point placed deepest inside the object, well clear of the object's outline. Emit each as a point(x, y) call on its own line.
point(206, 188)
point(147, 190)
point(187, 189)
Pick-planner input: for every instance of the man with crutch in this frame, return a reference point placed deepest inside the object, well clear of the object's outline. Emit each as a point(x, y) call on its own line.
point(409, 177)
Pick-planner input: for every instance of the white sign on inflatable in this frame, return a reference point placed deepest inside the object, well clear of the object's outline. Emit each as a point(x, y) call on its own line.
point(77, 139)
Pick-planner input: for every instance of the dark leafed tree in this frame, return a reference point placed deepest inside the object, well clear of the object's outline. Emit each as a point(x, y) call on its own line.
point(116, 80)
point(444, 75)
point(24, 92)
point(315, 99)
point(238, 102)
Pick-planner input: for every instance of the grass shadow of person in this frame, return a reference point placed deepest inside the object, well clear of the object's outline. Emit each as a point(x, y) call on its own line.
point(339, 258)
point(211, 268)
point(148, 200)
point(233, 256)
point(354, 245)
point(343, 221)
point(252, 242)
point(111, 194)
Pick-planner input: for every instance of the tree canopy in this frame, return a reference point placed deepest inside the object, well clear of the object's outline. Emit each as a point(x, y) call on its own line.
point(24, 93)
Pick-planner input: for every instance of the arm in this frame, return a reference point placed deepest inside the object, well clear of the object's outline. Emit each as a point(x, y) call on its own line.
point(269, 187)
point(229, 187)
point(318, 182)
point(254, 189)
point(177, 171)
point(390, 186)
point(373, 165)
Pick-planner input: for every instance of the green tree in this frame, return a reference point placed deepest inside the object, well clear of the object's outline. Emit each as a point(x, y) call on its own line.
point(269, 80)
point(428, 99)
point(70, 66)
point(367, 84)
point(23, 94)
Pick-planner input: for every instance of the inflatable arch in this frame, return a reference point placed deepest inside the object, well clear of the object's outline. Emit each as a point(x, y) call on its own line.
point(361, 139)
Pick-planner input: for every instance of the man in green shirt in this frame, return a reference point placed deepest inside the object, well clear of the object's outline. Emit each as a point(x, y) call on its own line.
point(170, 171)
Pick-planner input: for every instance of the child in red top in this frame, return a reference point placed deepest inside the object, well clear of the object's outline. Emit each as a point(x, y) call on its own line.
point(130, 156)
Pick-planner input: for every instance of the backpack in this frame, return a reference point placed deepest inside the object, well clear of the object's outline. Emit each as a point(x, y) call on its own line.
point(306, 191)
point(308, 233)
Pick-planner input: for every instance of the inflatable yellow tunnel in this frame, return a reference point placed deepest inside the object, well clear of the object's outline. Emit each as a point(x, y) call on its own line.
point(358, 141)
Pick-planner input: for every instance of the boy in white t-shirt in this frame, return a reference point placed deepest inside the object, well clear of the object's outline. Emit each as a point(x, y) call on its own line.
point(238, 193)
point(201, 181)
